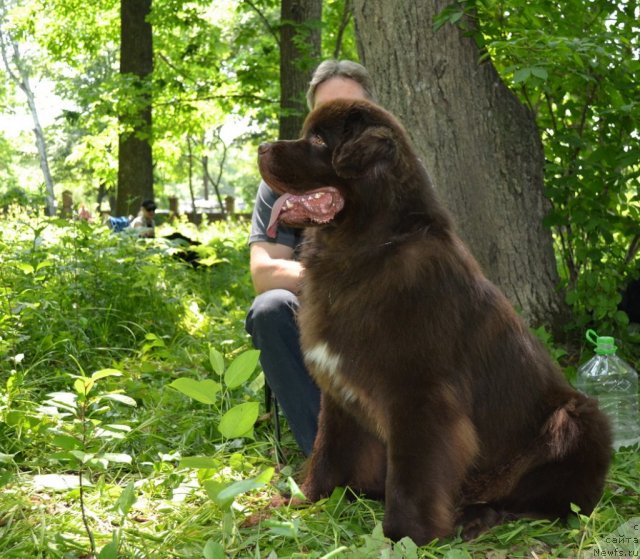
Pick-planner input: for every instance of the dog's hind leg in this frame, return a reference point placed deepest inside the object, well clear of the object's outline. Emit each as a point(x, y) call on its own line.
point(427, 464)
point(344, 454)
point(577, 443)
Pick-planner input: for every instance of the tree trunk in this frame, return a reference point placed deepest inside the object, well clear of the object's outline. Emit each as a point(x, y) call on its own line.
point(205, 176)
point(18, 72)
point(479, 143)
point(299, 55)
point(192, 193)
point(135, 160)
point(40, 141)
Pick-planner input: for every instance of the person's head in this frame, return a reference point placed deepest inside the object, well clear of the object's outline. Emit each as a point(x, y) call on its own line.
point(148, 207)
point(343, 79)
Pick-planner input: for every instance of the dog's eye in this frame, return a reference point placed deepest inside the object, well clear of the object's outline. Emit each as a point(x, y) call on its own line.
point(317, 140)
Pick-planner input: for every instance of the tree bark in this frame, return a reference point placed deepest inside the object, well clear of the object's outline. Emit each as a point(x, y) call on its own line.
point(479, 143)
point(299, 54)
point(135, 159)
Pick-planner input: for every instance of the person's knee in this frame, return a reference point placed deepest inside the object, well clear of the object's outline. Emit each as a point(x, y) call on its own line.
point(270, 309)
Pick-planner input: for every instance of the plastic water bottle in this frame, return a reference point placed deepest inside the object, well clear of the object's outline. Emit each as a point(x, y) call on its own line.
point(615, 385)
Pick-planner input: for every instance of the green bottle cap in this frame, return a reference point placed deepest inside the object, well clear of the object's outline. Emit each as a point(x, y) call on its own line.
point(605, 345)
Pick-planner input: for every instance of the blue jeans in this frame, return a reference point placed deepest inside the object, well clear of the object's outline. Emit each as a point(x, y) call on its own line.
point(271, 322)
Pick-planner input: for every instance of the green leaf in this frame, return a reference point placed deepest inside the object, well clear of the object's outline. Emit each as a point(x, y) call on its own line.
point(241, 368)
point(15, 418)
point(214, 488)
point(199, 462)
point(152, 336)
point(117, 427)
point(6, 458)
point(66, 442)
point(98, 462)
point(83, 385)
point(408, 548)
point(213, 550)
point(26, 268)
point(82, 456)
point(112, 431)
point(44, 264)
point(217, 361)
point(64, 400)
point(239, 420)
point(539, 72)
point(126, 500)
point(120, 398)
point(223, 494)
point(295, 490)
point(203, 391)
point(457, 554)
point(103, 373)
point(211, 260)
point(283, 528)
point(5, 478)
point(109, 551)
point(64, 457)
point(117, 458)
point(521, 75)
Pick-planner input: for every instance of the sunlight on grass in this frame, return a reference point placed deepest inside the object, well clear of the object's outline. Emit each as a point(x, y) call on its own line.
point(193, 320)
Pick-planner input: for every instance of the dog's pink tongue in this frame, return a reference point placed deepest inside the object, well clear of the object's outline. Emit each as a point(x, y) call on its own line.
point(276, 210)
point(317, 206)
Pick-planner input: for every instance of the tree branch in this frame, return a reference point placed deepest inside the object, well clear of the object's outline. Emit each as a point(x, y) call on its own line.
point(264, 19)
point(4, 44)
point(347, 14)
point(249, 96)
point(634, 246)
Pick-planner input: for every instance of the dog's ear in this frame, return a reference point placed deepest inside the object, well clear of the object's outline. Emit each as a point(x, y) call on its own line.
point(365, 151)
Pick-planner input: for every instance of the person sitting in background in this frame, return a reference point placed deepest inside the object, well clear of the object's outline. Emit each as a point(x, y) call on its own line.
point(84, 214)
point(144, 222)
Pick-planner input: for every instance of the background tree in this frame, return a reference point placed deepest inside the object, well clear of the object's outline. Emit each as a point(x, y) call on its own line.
point(81, 42)
point(135, 159)
point(17, 69)
point(579, 75)
point(299, 54)
point(478, 141)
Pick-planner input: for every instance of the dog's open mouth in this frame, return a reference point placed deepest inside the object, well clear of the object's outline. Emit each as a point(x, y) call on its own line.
point(315, 207)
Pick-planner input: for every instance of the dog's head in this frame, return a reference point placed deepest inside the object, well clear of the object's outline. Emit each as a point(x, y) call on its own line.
point(346, 148)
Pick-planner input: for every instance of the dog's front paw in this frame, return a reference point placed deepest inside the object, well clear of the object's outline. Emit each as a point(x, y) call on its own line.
point(479, 518)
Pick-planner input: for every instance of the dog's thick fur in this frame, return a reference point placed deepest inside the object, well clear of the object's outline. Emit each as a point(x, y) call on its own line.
point(435, 396)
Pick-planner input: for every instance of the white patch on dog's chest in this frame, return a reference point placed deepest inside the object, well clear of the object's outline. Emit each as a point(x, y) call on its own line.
point(326, 366)
point(328, 370)
point(324, 360)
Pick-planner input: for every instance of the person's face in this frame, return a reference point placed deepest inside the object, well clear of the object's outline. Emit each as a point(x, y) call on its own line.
point(338, 88)
point(148, 214)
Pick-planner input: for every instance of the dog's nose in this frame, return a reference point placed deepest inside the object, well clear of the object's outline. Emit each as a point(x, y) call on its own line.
point(264, 148)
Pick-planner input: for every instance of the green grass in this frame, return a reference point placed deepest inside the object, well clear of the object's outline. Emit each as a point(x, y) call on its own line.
point(76, 299)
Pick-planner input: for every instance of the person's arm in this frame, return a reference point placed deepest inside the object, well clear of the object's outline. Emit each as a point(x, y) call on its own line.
point(272, 267)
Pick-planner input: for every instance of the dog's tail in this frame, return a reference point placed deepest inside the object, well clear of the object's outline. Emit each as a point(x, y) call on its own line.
point(575, 426)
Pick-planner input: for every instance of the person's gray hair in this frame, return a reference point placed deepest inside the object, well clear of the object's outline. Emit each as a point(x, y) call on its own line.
point(340, 69)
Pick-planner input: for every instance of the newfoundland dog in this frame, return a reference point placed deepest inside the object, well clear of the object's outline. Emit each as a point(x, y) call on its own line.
point(435, 395)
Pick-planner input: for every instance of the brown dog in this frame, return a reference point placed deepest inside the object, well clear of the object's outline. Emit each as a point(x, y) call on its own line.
point(435, 396)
